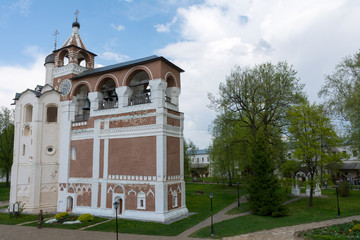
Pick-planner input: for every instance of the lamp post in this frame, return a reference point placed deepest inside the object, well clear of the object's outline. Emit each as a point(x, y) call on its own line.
point(238, 193)
point(337, 197)
point(212, 227)
point(116, 206)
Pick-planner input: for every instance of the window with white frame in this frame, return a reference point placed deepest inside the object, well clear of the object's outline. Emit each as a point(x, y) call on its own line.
point(141, 200)
point(174, 199)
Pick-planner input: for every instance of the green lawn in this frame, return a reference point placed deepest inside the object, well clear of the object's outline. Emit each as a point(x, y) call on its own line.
point(197, 198)
point(4, 192)
point(69, 226)
point(299, 212)
point(244, 207)
point(5, 219)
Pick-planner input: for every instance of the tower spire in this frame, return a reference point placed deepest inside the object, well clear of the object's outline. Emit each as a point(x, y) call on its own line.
point(76, 15)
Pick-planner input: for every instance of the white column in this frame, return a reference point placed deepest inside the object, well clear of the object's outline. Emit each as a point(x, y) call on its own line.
point(96, 165)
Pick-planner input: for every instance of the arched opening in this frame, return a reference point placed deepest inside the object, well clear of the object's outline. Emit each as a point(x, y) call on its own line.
point(170, 83)
point(141, 200)
point(174, 199)
point(82, 105)
point(28, 113)
point(63, 58)
point(83, 59)
point(27, 130)
point(108, 97)
point(51, 114)
point(120, 201)
point(69, 204)
point(139, 84)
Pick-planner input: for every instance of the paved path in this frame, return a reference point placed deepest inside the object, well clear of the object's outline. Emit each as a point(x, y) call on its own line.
point(289, 233)
point(4, 203)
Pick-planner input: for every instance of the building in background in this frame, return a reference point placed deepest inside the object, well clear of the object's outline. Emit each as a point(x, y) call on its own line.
point(90, 137)
point(200, 163)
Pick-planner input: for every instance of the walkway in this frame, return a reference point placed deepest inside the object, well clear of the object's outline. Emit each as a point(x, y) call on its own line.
point(289, 233)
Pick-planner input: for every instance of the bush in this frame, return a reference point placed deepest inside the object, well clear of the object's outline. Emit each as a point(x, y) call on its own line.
point(356, 227)
point(87, 217)
point(344, 189)
point(61, 215)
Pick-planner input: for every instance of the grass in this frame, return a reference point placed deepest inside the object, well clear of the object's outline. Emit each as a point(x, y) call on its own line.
point(4, 192)
point(69, 226)
point(244, 207)
point(299, 212)
point(5, 218)
point(197, 198)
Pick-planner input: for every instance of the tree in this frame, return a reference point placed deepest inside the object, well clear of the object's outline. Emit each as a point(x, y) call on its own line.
point(313, 138)
point(6, 142)
point(260, 96)
point(264, 187)
point(189, 150)
point(342, 94)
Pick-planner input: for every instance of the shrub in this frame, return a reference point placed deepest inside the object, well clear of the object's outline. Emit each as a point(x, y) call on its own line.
point(87, 217)
point(344, 189)
point(356, 227)
point(61, 215)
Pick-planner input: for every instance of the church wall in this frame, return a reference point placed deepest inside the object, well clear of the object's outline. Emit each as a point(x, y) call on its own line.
point(82, 166)
point(173, 156)
point(165, 68)
point(132, 156)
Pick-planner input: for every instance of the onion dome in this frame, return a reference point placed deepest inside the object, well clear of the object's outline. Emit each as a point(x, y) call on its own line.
point(76, 24)
point(50, 58)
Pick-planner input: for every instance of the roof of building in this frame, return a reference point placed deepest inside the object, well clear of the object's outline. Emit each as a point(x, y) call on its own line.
point(199, 152)
point(36, 92)
point(127, 64)
point(350, 165)
point(75, 38)
point(50, 58)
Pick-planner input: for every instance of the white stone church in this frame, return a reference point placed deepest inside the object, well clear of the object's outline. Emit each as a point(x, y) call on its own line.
point(89, 137)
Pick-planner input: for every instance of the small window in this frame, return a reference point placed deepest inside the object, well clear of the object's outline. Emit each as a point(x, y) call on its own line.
point(23, 152)
point(73, 153)
point(51, 115)
point(50, 150)
point(355, 153)
point(197, 159)
point(174, 199)
point(141, 200)
point(202, 159)
point(27, 130)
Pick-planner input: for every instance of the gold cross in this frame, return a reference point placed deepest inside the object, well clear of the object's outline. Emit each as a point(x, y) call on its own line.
point(76, 14)
point(55, 34)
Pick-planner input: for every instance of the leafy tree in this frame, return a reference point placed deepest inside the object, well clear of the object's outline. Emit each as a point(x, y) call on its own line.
point(6, 142)
point(342, 94)
point(314, 139)
point(260, 96)
point(189, 150)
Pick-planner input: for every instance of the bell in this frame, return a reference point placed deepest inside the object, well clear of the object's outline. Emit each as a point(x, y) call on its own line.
point(86, 105)
point(106, 96)
point(114, 95)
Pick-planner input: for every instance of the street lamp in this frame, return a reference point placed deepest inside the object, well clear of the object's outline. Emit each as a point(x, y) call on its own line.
point(238, 193)
point(212, 227)
point(116, 206)
point(337, 197)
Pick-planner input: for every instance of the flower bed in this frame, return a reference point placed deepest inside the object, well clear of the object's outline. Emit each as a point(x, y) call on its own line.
point(65, 218)
point(339, 232)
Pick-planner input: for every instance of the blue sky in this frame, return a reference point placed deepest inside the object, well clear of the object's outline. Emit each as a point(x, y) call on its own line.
point(206, 38)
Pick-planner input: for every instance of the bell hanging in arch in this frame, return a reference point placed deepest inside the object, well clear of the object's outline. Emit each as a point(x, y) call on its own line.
point(86, 105)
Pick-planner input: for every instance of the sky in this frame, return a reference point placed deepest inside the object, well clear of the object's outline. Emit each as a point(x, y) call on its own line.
point(206, 38)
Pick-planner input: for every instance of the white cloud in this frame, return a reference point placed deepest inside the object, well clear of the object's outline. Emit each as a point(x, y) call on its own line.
point(118, 27)
point(21, 77)
point(111, 56)
point(21, 6)
point(165, 27)
point(218, 34)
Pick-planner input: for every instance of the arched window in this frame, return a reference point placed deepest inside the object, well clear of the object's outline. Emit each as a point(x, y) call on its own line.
point(82, 103)
point(174, 199)
point(139, 84)
point(28, 113)
point(51, 114)
point(109, 98)
point(141, 200)
point(27, 130)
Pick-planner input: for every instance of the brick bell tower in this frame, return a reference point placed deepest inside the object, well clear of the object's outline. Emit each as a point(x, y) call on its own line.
point(121, 137)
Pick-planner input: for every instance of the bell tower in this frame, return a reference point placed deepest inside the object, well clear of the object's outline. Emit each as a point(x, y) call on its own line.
point(72, 58)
